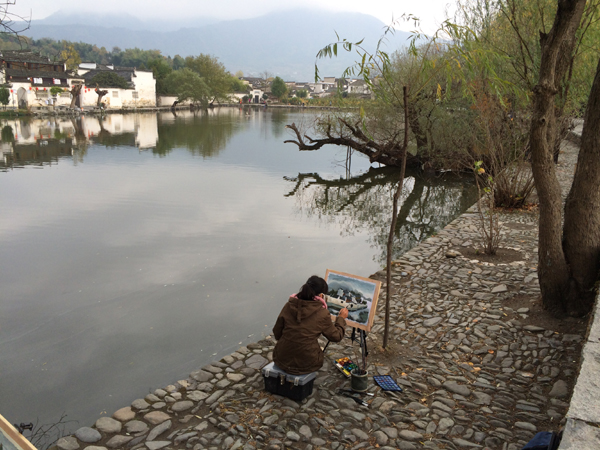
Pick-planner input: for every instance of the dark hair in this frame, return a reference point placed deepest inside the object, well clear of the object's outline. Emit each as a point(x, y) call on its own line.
point(314, 286)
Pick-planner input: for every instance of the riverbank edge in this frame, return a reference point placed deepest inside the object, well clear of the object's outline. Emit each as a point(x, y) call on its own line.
point(583, 416)
point(582, 430)
point(69, 112)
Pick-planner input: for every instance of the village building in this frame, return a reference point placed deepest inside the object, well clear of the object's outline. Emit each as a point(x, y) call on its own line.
point(29, 76)
point(140, 90)
point(359, 87)
point(258, 88)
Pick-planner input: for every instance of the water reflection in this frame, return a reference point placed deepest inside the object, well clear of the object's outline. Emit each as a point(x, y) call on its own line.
point(37, 141)
point(364, 203)
point(279, 119)
point(203, 133)
point(34, 142)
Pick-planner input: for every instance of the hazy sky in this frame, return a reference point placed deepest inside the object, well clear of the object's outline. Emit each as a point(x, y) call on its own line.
point(431, 12)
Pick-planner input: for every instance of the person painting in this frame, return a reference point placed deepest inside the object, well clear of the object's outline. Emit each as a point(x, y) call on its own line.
point(302, 320)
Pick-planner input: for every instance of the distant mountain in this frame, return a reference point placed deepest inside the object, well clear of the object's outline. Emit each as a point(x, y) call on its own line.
point(126, 21)
point(282, 43)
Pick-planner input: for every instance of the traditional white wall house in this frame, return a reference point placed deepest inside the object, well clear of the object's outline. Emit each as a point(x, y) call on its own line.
point(358, 87)
point(140, 91)
point(30, 76)
point(256, 95)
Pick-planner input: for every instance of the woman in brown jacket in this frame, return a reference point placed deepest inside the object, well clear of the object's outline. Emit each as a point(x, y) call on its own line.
point(302, 320)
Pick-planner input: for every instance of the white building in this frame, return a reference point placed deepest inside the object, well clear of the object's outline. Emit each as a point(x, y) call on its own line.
point(358, 87)
point(140, 91)
point(30, 76)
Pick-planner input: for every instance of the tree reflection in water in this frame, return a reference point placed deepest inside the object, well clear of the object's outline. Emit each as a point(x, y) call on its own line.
point(363, 203)
point(201, 133)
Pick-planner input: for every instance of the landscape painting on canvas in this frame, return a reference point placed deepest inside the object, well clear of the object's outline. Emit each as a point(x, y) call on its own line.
point(11, 438)
point(358, 294)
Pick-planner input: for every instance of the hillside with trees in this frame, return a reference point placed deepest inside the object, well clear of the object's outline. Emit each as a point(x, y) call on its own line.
point(165, 69)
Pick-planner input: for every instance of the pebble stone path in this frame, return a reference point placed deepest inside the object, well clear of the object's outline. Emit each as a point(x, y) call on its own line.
point(473, 375)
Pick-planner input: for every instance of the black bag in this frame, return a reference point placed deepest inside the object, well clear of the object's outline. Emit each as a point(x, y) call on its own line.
point(544, 440)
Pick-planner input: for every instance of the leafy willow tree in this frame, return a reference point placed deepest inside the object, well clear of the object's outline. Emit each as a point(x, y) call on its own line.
point(377, 129)
point(278, 87)
point(507, 31)
point(188, 85)
point(213, 74)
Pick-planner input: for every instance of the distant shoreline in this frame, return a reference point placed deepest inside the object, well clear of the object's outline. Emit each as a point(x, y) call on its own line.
point(98, 111)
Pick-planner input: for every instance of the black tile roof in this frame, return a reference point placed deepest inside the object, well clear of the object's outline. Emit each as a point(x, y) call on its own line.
point(37, 74)
point(24, 56)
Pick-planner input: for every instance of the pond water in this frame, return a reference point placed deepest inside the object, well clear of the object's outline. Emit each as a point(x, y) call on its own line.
point(138, 248)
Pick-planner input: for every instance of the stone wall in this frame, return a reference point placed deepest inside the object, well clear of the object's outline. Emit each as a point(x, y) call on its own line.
point(582, 431)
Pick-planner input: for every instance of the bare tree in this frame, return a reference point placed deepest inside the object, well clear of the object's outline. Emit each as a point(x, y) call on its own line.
point(10, 22)
point(266, 78)
point(101, 93)
point(75, 92)
point(341, 131)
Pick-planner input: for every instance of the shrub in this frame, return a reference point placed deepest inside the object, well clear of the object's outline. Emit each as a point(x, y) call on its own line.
point(108, 79)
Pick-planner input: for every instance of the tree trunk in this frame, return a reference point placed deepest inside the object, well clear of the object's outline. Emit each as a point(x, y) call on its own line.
point(389, 152)
point(101, 93)
point(553, 270)
point(75, 92)
point(415, 126)
point(390, 243)
point(582, 210)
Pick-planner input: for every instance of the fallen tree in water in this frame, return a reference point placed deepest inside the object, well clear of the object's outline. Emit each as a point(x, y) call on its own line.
point(388, 151)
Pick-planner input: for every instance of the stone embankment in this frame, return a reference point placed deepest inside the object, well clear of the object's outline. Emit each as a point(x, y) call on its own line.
point(94, 110)
point(480, 365)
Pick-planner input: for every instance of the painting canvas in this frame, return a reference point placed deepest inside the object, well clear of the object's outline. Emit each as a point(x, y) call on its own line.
point(358, 294)
point(11, 439)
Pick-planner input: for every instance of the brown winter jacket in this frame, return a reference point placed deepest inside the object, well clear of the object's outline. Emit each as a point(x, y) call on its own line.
point(297, 329)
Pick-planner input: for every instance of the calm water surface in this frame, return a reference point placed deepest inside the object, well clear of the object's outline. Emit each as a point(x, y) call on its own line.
point(138, 248)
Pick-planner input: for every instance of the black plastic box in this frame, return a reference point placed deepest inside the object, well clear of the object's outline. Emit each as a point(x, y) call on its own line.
point(296, 387)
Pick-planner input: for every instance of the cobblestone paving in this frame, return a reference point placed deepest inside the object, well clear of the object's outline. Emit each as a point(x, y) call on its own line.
point(474, 373)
